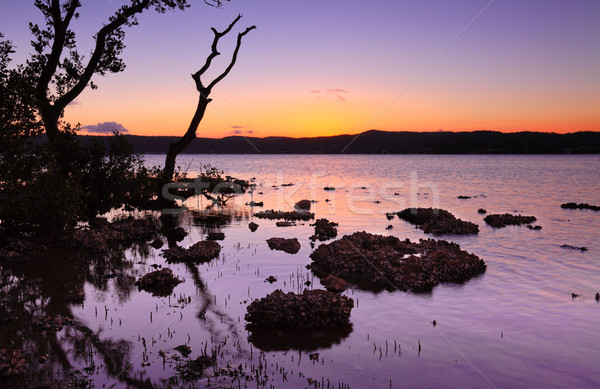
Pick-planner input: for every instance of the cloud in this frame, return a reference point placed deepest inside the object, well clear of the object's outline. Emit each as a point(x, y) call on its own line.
point(335, 91)
point(105, 128)
point(236, 132)
point(338, 92)
point(238, 127)
point(249, 132)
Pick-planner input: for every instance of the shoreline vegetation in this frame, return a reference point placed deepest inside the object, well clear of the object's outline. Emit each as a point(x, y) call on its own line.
point(383, 142)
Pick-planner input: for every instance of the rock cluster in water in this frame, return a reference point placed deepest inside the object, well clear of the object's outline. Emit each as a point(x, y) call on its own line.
point(311, 309)
point(102, 235)
point(324, 230)
point(502, 220)
point(291, 246)
point(580, 206)
point(437, 221)
point(378, 262)
point(159, 282)
point(199, 252)
point(292, 215)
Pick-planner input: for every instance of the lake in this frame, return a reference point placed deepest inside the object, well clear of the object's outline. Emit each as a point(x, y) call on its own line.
point(516, 325)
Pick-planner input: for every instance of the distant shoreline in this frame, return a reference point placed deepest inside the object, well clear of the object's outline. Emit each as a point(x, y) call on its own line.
point(381, 142)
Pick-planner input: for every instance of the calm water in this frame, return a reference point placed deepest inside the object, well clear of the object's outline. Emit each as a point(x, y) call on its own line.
point(515, 326)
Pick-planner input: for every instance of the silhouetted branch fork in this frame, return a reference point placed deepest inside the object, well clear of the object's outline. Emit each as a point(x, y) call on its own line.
point(177, 147)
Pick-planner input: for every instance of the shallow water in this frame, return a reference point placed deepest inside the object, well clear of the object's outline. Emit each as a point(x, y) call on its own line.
point(514, 326)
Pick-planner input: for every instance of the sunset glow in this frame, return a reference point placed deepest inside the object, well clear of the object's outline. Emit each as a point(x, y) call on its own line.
point(311, 69)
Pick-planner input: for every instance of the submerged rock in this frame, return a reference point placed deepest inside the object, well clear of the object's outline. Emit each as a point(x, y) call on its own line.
point(292, 215)
point(580, 206)
point(291, 246)
point(437, 221)
point(324, 230)
point(199, 252)
point(215, 236)
point(532, 227)
point(159, 282)
point(303, 205)
point(502, 220)
point(378, 262)
point(334, 284)
point(285, 224)
point(311, 309)
point(568, 246)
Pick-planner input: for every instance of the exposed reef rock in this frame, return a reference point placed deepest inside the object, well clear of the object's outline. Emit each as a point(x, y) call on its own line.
point(292, 215)
point(252, 226)
point(324, 229)
point(290, 246)
point(437, 221)
point(303, 205)
point(502, 220)
point(378, 262)
point(580, 206)
point(199, 252)
point(159, 283)
point(311, 309)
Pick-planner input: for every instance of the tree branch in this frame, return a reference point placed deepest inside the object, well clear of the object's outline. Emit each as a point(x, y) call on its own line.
point(119, 20)
point(214, 52)
point(233, 58)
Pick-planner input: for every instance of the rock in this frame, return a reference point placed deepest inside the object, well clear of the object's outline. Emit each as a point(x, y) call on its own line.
point(567, 246)
point(482, 211)
point(437, 221)
point(389, 215)
point(157, 243)
point(389, 227)
point(311, 309)
point(303, 205)
point(288, 184)
point(215, 236)
point(334, 284)
point(313, 356)
point(185, 350)
point(377, 262)
point(271, 279)
point(159, 282)
point(329, 188)
point(597, 296)
point(291, 246)
point(574, 295)
point(580, 206)
point(464, 197)
point(252, 226)
point(324, 229)
point(502, 220)
point(536, 228)
point(199, 252)
point(255, 203)
point(293, 215)
point(285, 224)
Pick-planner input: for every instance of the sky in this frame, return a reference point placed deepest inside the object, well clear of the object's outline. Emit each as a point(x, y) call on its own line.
point(320, 68)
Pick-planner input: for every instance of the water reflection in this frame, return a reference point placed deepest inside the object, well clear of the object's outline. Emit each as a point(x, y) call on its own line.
point(301, 340)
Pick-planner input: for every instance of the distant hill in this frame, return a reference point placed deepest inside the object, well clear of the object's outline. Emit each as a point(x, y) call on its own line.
point(382, 142)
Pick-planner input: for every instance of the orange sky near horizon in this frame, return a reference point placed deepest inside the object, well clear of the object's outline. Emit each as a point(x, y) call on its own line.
point(344, 68)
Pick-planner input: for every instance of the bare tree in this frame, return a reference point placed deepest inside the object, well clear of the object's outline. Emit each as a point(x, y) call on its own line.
point(203, 99)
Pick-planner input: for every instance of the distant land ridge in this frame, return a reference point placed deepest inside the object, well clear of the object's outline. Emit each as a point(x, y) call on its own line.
point(383, 142)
